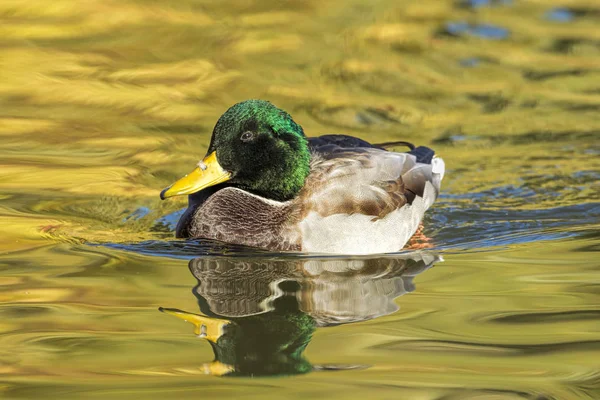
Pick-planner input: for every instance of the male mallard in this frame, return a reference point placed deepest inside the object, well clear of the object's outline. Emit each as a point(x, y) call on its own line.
point(264, 184)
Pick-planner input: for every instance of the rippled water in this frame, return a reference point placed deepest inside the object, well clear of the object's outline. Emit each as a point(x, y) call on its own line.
point(105, 103)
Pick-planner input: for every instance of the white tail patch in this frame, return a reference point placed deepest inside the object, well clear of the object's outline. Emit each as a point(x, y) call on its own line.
point(438, 167)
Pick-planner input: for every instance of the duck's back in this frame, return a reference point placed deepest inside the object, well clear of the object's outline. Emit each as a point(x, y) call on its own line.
point(360, 198)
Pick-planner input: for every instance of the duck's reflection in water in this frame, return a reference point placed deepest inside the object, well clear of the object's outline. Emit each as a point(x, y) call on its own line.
point(259, 314)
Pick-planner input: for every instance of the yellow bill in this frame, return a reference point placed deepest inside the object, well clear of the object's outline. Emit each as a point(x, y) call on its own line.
point(208, 173)
point(217, 368)
point(205, 327)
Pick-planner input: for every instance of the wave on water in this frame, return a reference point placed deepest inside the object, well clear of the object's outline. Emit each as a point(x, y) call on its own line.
point(448, 226)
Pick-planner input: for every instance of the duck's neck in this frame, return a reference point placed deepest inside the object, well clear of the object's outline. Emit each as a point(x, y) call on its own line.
point(284, 179)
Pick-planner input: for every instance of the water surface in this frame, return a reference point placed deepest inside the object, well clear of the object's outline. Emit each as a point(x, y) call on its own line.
point(105, 103)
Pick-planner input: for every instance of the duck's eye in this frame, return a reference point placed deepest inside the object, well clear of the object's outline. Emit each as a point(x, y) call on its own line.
point(247, 136)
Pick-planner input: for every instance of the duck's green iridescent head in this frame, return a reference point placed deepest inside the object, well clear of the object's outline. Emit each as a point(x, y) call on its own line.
point(254, 146)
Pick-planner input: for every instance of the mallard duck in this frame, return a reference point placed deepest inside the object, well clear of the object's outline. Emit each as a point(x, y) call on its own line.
point(264, 184)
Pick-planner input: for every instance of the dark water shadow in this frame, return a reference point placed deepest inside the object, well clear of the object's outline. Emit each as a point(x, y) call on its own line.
point(259, 313)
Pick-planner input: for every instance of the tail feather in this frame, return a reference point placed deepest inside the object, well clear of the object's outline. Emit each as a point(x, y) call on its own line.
point(388, 145)
point(416, 178)
point(424, 154)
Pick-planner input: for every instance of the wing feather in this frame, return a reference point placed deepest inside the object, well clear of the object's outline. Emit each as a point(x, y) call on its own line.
point(365, 181)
